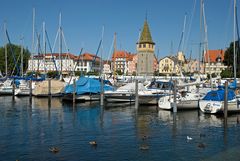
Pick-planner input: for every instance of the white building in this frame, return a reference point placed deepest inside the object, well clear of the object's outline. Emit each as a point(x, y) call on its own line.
point(214, 62)
point(52, 62)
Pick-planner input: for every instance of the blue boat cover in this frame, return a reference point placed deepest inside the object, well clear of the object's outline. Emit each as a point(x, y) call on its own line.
point(87, 85)
point(218, 95)
point(232, 85)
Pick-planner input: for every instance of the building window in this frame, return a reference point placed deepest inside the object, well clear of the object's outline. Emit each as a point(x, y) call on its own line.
point(144, 45)
point(140, 45)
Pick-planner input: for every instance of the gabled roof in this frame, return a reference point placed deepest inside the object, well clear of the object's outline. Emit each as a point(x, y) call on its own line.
point(146, 35)
point(213, 55)
point(84, 56)
point(88, 57)
point(56, 55)
point(169, 57)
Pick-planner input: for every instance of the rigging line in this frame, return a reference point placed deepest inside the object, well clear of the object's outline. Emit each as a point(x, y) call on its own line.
point(238, 44)
point(99, 45)
point(110, 50)
point(11, 49)
point(64, 41)
point(190, 25)
point(181, 43)
point(15, 64)
point(75, 66)
point(227, 25)
point(53, 48)
point(50, 48)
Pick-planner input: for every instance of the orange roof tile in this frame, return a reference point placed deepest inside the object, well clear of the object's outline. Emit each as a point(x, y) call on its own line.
point(213, 55)
point(123, 54)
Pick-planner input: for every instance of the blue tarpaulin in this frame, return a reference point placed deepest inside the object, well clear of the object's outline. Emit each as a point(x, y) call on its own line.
point(232, 85)
point(87, 85)
point(218, 95)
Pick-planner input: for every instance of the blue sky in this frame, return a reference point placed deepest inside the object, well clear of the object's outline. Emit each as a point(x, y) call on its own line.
point(83, 20)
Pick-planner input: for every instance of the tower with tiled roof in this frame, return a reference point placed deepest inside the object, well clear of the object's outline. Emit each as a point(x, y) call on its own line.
point(145, 51)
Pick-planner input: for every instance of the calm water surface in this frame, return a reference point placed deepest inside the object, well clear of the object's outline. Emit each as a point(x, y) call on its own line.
point(28, 129)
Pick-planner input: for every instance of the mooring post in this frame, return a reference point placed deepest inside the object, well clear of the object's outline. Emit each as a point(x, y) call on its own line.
point(30, 87)
point(74, 91)
point(174, 96)
point(49, 87)
point(226, 100)
point(13, 87)
point(136, 94)
point(101, 93)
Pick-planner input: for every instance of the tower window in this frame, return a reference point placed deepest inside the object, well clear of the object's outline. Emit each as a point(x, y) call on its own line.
point(144, 45)
point(140, 45)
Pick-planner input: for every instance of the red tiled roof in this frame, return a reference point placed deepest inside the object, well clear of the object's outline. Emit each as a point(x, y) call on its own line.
point(84, 56)
point(123, 54)
point(130, 57)
point(213, 55)
point(72, 56)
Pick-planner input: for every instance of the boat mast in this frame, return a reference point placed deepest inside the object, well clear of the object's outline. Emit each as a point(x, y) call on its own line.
point(44, 48)
point(234, 40)
point(206, 44)
point(114, 56)
point(22, 39)
point(6, 64)
point(33, 36)
point(60, 44)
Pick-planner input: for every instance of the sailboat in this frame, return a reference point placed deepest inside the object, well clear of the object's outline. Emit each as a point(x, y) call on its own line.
point(87, 89)
point(213, 102)
point(42, 89)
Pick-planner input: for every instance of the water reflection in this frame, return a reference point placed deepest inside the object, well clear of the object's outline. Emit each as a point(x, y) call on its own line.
point(37, 124)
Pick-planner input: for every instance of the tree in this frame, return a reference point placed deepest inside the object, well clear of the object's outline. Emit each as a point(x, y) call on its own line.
point(227, 73)
point(228, 58)
point(119, 72)
point(52, 74)
point(10, 59)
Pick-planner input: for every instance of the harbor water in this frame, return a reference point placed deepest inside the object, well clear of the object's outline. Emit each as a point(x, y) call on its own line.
point(30, 127)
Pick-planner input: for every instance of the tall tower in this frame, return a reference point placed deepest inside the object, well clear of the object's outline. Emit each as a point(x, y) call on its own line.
point(145, 52)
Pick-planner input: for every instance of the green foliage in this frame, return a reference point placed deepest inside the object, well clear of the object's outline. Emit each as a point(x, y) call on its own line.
point(119, 72)
point(134, 73)
point(93, 73)
point(156, 73)
point(10, 60)
point(35, 73)
point(214, 75)
point(52, 74)
point(161, 74)
point(228, 58)
point(187, 74)
point(227, 73)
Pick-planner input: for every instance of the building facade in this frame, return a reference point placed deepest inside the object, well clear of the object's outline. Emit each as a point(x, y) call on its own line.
point(66, 61)
point(214, 62)
point(194, 66)
point(168, 65)
point(120, 61)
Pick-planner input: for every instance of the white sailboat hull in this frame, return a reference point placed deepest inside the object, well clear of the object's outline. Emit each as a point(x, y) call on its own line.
point(166, 103)
point(214, 107)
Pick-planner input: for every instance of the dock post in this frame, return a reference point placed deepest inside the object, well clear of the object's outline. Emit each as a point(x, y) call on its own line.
point(101, 93)
point(49, 92)
point(49, 87)
point(74, 90)
point(30, 87)
point(13, 87)
point(226, 100)
point(174, 96)
point(136, 94)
